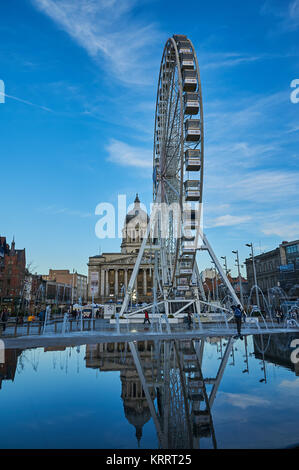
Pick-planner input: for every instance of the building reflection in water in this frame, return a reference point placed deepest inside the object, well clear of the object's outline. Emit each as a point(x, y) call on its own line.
point(162, 380)
point(9, 367)
point(275, 349)
point(117, 357)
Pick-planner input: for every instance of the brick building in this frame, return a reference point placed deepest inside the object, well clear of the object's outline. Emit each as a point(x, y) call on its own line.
point(76, 281)
point(214, 287)
point(12, 274)
point(39, 292)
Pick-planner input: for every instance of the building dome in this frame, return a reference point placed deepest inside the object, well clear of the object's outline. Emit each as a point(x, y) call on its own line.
point(138, 414)
point(134, 228)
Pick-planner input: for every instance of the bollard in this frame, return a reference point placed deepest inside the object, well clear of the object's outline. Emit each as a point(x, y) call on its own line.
point(28, 327)
point(16, 327)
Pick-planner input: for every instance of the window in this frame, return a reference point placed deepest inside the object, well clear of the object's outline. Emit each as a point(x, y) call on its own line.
point(292, 249)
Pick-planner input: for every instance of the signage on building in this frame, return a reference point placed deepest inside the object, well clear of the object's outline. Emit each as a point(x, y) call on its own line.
point(94, 283)
point(286, 267)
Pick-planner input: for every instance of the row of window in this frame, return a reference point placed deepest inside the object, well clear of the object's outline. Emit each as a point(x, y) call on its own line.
point(268, 266)
point(267, 283)
point(292, 249)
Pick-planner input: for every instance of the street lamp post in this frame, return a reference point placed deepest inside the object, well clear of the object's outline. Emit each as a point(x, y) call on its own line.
point(240, 277)
point(216, 283)
point(225, 264)
point(73, 287)
point(250, 245)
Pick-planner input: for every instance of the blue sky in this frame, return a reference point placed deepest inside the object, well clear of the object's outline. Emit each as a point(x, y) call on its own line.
point(77, 123)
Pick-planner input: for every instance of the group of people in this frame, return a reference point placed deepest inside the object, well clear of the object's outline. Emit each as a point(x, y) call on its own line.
point(238, 314)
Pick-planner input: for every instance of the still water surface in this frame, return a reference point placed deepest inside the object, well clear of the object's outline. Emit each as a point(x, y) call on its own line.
point(202, 394)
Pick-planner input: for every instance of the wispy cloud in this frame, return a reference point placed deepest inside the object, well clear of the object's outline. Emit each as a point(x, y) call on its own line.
point(286, 12)
point(267, 186)
point(126, 155)
point(242, 400)
point(229, 59)
point(110, 34)
point(229, 220)
point(290, 384)
point(26, 102)
point(282, 229)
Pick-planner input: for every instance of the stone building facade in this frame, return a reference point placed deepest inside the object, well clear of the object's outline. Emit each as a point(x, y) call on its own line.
point(276, 268)
point(109, 273)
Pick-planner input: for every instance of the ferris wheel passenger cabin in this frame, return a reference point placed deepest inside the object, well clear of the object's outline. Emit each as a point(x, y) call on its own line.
point(192, 130)
point(192, 160)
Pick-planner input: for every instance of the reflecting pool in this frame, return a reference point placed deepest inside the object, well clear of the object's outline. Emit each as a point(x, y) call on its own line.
point(210, 393)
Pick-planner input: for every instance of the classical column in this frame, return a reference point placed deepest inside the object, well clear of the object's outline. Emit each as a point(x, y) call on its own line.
point(116, 282)
point(144, 282)
point(102, 282)
point(126, 278)
point(107, 282)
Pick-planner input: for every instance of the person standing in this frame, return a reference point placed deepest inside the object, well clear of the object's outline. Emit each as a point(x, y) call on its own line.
point(146, 318)
point(238, 319)
point(41, 315)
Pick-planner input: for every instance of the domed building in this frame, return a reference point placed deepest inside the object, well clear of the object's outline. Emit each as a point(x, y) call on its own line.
point(136, 407)
point(109, 273)
point(118, 357)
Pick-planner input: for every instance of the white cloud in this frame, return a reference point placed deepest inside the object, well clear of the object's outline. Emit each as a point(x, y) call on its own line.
point(228, 220)
point(266, 186)
point(293, 13)
point(109, 33)
point(282, 229)
point(290, 384)
point(286, 12)
point(242, 400)
point(215, 61)
point(127, 155)
point(293, 129)
point(241, 154)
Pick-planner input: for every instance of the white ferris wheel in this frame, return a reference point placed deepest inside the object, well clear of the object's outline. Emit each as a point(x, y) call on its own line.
point(174, 236)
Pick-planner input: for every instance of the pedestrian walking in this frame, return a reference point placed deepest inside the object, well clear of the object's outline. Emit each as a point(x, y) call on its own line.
point(238, 319)
point(146, 318)
point(42, 315)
